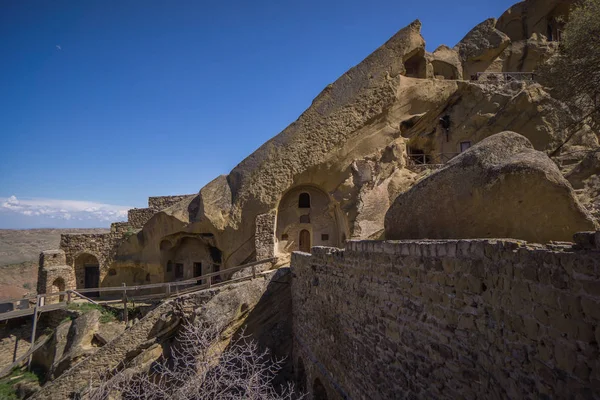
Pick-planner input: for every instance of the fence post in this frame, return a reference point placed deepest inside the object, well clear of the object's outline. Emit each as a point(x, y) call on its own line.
point(35, 319)
point(68, 297)
point(125, 314)
point(253, 271)
point(168, 289)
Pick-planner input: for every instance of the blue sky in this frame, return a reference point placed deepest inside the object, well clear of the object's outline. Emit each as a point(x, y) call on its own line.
point(104, 103)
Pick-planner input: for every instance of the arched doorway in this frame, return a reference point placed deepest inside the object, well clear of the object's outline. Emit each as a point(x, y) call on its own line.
point(319, 391)
point(304, 241)
point(58, 286)
point(87, 272)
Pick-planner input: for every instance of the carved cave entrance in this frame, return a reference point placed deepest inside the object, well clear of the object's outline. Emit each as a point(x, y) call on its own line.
point(416, 65)
point(189, 257)
point(446, 70)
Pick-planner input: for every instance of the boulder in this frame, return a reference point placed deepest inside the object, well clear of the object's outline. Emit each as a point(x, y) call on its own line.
point(80, 341)
point(481, 46)
point(502, 188)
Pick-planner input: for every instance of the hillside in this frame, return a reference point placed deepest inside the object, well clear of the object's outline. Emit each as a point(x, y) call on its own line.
point(19, 252)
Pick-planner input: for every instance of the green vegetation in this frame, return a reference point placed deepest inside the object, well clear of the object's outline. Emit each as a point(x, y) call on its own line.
point(107, 314)
point(7, 384)
point(131, 232)
point(573, 75)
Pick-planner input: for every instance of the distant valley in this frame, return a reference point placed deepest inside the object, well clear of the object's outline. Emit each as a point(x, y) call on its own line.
point(19, 252)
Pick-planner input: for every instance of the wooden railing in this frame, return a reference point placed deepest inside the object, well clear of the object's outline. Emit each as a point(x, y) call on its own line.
point(170, 288)
point(129, 292)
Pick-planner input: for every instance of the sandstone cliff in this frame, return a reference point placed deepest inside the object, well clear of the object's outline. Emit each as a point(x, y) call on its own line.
point(355, 146)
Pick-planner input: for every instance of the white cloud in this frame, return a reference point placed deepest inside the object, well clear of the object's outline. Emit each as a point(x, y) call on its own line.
point(64, 209)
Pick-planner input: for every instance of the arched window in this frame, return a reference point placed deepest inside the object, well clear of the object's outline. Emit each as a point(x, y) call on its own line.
point(304, 200)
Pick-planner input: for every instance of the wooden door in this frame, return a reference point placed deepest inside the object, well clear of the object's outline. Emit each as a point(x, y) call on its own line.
point(304, 241)
point(198, 272)
point(92, 279)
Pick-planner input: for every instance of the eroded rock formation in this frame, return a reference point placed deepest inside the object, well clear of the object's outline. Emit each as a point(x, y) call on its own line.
point(367, 138)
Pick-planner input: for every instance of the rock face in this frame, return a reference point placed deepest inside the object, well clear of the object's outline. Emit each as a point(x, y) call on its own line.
point(262, 305)
point(351, 146)
point(585, 178)
point(481, 46)
point(524, 36)
point(501, 187)
point(352, 152)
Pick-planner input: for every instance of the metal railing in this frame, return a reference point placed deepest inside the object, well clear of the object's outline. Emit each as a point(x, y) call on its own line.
point(503, 77)
point(430, 159)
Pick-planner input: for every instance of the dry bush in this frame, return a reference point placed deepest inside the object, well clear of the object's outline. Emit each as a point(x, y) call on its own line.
point(200, 367)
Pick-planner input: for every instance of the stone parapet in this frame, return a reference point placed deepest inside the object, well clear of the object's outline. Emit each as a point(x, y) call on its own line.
point(493, 318)
point(50, 258)
point(120, 228)
point(161, 202)
point(137, 217)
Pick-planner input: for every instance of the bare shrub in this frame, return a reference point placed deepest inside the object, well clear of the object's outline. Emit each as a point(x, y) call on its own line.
point(201, 366)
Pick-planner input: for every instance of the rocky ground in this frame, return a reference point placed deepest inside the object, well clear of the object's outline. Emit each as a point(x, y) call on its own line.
point(19, 252)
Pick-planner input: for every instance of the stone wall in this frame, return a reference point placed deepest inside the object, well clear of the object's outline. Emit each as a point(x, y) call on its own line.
point(162, 202)
point(15, 340)
point(137, 217)
point(82, 249)
point(448, 319)
point(120, 228)
point(264, 238)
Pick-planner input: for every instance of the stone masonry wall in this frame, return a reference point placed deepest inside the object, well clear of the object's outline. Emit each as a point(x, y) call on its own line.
point(264, 236)
point(448, 319)
point(101, 246)
point(120, 228)
point(137, 217)
point(162, 202)
point(53, 274)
